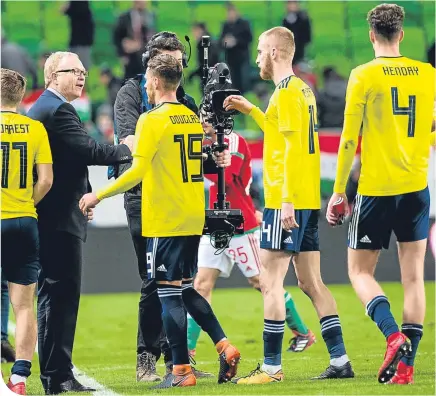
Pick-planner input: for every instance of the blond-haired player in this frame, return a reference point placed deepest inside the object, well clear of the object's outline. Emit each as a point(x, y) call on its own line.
point(24, 144)
point(292, 204)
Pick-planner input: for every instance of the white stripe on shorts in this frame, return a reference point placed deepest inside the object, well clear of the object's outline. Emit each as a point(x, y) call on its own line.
point(353, 228)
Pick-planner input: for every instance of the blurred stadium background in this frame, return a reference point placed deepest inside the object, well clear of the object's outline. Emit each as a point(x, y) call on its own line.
point(105, 347)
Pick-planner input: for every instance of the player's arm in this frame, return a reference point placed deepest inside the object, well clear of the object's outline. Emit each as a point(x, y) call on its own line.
point(44, 167)
point(238, 102)
point(71, 134)
point(290, 112)
point(353, 116)
point(143, 153)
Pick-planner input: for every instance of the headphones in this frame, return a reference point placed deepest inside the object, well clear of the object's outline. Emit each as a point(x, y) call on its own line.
point(154, 42)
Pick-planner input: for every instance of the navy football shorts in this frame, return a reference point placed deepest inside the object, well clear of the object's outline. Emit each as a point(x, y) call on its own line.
point(172, 258)
point(302, 239)
point(374, 219)
point(20, 250)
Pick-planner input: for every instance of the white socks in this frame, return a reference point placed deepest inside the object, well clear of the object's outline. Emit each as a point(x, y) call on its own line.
point(340, 361)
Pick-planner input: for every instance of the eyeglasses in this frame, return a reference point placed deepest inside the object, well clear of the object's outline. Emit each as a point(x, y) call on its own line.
point(76, 72)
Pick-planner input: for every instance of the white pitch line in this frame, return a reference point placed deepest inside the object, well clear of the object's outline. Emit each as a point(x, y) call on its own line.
point(84, 379)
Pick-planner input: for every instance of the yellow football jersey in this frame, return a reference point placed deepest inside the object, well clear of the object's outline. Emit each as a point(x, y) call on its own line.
point(291, 116)
point(173, 201)
point(395, 98)
point(24, 143)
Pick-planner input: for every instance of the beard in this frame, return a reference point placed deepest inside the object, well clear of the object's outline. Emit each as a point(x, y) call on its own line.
point(151, 95)
point(267, 71)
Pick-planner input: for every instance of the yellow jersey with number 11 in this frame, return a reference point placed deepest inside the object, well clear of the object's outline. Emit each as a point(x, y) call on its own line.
point(24, 143)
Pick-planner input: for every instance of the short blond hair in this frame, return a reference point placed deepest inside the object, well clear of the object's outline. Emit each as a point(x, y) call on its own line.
point(52, 63)
point(283, 39)
point(13, 87)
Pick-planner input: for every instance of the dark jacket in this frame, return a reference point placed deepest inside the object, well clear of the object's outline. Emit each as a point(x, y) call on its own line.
point(81, 23)
point(72, 150)
point(123, 29)
point(331, 103)
point(129, 105)
point(299, 24)
point(241, 30)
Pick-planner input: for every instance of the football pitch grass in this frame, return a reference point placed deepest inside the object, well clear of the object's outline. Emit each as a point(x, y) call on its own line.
point(106, 341)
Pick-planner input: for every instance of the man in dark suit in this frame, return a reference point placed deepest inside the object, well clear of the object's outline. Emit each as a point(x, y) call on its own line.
point(62, 227)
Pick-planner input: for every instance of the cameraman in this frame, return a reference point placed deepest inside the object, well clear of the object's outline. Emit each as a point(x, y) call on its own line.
point(130, 103)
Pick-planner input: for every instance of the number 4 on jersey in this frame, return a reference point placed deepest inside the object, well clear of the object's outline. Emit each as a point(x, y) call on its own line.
point(409, 111)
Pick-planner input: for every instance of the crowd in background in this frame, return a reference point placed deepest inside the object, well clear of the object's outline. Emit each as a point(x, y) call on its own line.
point(134, 28)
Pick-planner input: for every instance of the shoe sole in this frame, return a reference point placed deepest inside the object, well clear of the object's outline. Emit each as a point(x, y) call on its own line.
point(231, 370)
point(389, 371)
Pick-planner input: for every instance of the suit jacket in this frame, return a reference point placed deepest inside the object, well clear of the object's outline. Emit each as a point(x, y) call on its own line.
point(72, 150)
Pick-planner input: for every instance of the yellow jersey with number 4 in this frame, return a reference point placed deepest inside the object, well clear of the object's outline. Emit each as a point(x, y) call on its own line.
point(291, 156)
point(395, 98)
point(24, 143)
point(170, 138)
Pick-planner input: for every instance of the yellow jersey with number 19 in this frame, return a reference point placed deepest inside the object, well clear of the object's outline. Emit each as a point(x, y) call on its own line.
point(291, 154)
point(173, 202)
point(394, 96)
point(24, 143)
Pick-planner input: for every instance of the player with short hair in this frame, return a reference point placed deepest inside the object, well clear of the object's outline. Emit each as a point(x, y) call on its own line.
point(24, 144)
point(292, 203)
point(243, 249)
point(168, 160)
point(393, 96)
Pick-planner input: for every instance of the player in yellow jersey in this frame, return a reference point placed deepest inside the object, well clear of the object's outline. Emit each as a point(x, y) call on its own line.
point(393, 96)
point(24, 144)
point(168, 160)
point(292, 203)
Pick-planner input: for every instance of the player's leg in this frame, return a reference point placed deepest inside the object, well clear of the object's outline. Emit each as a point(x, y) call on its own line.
point(165, 265)
point(411, 228)
point(150, 328)
point(210, 267)
point(369, 231)
point(20, 264)
point(204, 283)
point(198, 307)
point(247, 256)
point(7, 351)
point(22, 301)
point(274, 261)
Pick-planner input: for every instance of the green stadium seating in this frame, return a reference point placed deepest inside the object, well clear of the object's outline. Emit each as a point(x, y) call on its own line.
point(339, 28)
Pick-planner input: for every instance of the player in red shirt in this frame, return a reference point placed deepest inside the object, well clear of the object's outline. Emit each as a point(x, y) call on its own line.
point(243, 249)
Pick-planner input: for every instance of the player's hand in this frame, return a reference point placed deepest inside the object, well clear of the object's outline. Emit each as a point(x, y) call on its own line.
point(259, 216)
point(129, 141)
point(238, 102)
point(88, 201)
point(288, 217)
point(90, 214)
point(222, 159)
point(337, 209)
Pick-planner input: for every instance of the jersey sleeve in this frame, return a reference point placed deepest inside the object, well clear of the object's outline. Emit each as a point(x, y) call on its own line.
point(148, 137)
point(353, 116)
point(43, 151)
point(356, 95)
point(289, 110)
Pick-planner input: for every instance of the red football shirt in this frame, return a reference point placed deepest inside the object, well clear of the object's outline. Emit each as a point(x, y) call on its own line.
point(238, 177)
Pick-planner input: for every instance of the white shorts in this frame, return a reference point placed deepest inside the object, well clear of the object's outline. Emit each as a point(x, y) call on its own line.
point(243, 250)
